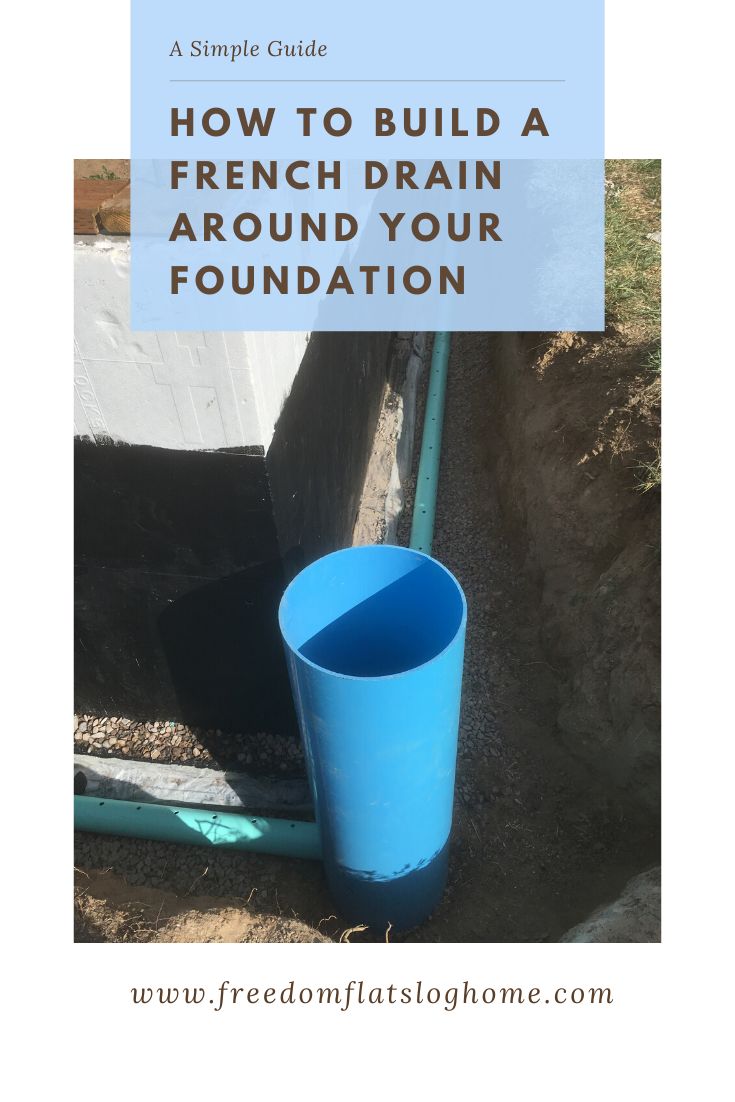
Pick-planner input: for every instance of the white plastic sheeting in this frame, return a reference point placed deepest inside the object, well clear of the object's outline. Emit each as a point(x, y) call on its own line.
point(151, 782)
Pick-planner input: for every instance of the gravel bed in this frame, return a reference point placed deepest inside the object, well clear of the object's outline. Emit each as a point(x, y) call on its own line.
point(469, 540)
point(185, 870)
point(161, 741)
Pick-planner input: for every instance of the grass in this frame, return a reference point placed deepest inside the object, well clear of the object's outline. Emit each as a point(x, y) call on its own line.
point(633, 296)
point(632, 259)
point(652, 362)
point(105, 173)
point(649, 474)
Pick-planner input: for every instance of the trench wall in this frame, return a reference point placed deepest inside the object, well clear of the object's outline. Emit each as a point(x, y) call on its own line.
point(590, 541)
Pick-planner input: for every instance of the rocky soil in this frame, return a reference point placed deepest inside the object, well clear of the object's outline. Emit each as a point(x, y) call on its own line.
point(162, 741)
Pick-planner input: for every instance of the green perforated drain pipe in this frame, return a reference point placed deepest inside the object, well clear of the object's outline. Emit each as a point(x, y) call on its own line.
point(195, 826)
point(427, 479)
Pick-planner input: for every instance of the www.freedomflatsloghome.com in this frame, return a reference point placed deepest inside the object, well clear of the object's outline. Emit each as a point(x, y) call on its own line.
point(359, 993)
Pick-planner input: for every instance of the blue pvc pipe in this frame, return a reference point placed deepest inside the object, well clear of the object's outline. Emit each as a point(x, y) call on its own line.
point(375, 641)
point(197, 827)
point(427, 479)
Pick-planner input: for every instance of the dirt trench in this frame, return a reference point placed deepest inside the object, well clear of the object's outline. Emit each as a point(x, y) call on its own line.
point(552, 816)
point(572, 437)
point(557, 790)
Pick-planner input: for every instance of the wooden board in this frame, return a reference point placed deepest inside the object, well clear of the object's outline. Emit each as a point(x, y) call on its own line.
point(114, 213)
point(89, 195)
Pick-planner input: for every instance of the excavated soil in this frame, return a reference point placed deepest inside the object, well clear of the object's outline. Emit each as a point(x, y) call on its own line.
point(573, 442)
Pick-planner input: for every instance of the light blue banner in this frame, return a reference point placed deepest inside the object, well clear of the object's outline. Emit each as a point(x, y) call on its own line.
point(467, 224)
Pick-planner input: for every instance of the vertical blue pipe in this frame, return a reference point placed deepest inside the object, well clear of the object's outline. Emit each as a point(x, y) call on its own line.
point(427, 481)
point(375, 641)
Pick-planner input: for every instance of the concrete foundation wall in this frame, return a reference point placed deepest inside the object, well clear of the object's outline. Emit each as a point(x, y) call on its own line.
point(169, 390)
point(318, 456)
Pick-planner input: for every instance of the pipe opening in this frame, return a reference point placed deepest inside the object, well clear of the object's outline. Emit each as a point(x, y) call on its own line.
point(372, 611)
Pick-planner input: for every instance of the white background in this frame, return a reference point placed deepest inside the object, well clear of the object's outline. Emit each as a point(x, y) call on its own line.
point(666, 1036)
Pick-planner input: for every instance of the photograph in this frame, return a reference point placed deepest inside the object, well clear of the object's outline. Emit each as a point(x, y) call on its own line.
point(367, 624)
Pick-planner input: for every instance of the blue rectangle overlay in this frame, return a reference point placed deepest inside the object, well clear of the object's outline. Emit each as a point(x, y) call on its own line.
point(296, 168)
